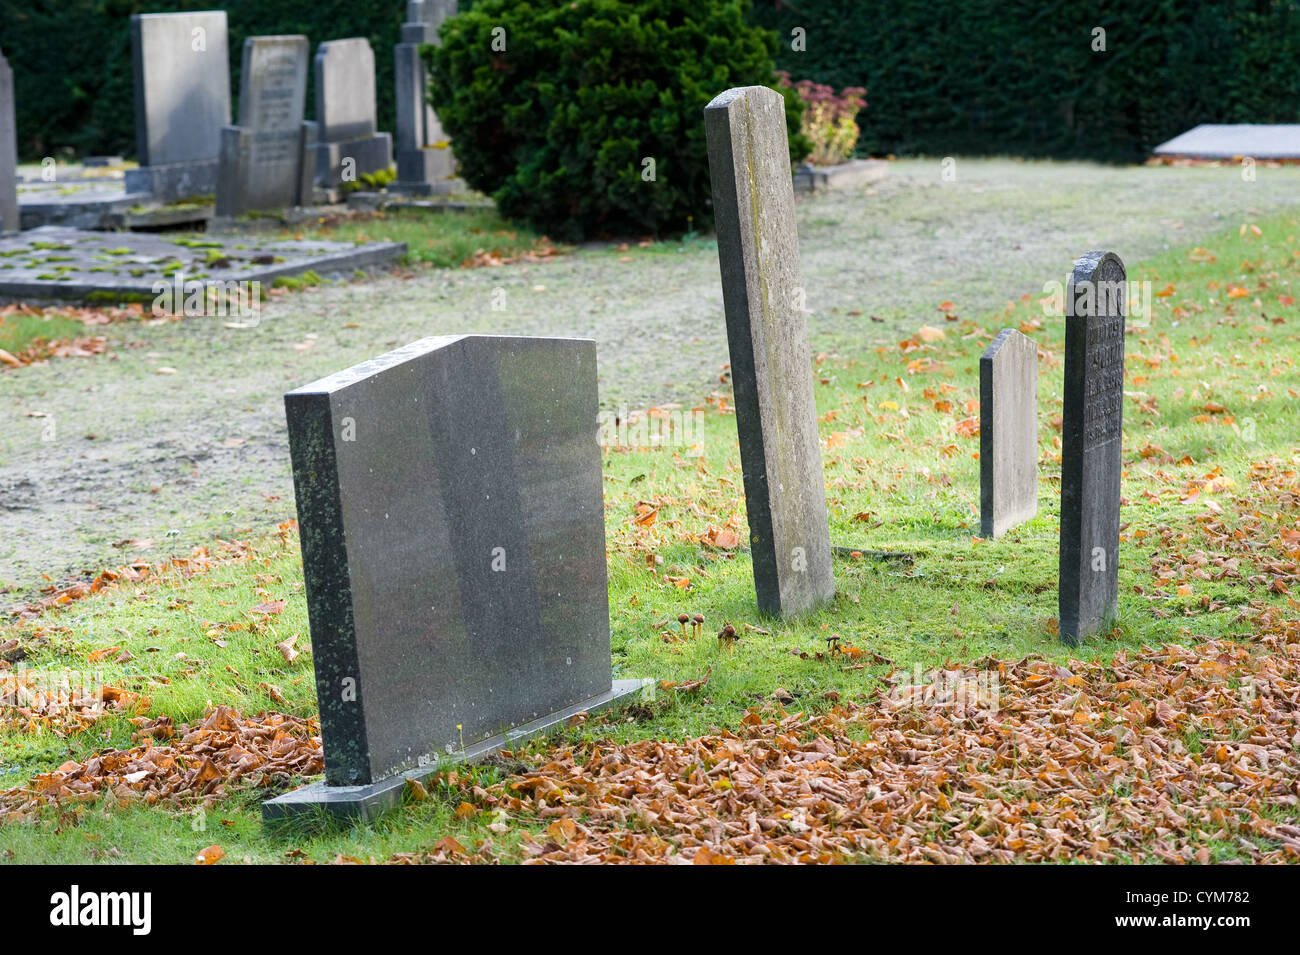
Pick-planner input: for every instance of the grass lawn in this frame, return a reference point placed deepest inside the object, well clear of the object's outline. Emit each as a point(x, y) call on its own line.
point(1210, 527)
point(20, 331)
point(440, 239)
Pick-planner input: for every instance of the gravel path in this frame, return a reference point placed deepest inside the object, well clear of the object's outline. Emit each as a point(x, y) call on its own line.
point(174, 459)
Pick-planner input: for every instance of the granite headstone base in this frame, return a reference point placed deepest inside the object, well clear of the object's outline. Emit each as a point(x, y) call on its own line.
point(364, 803)
point(426, 172)
point(370, 154)
point(173, 181)
point(247, 183)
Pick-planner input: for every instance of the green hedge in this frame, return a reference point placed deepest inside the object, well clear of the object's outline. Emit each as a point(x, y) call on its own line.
point(72, 60)
point(1020, 76)
point(560, 126)
point(957, 77)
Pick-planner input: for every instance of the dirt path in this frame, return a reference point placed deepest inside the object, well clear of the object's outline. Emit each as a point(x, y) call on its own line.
point(100, 451)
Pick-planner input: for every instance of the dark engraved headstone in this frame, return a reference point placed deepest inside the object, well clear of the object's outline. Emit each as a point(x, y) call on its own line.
point(771, 367)
point(8, 150)
point(1008, 432)
point(1092, 445)
point(450, 504)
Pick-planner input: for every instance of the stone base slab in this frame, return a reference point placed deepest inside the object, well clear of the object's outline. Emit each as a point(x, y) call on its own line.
point(370, 154)
point(855, 172)
point(364, 803)
point(172, 181)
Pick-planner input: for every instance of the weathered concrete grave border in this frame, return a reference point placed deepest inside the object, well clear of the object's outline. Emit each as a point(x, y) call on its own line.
point(72, 264)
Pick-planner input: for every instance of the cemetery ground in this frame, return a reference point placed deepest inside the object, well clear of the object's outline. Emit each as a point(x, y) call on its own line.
point(1171, 738)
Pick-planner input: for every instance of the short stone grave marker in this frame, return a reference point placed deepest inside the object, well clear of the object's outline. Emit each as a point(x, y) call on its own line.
point(1008, 432)
point(1092, 440)
point(771, 366)
point(450, 504)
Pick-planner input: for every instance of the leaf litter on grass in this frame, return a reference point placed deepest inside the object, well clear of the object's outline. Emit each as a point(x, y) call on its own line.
point(179, 764)
point(1174, 753)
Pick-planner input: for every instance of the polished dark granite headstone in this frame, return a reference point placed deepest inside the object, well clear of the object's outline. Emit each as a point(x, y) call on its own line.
point(1092, 445)
point(450, 503)
point(767, 336)
point(1008, 433)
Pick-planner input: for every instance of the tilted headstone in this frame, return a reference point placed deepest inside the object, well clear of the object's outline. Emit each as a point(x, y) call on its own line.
point(264, 158)
point(348, 146)
point(1008, 432)
point(450, 504)
point(9, 221)
point(182, 100)
point(771, 367)
point(425, 163)
point(1092, 445)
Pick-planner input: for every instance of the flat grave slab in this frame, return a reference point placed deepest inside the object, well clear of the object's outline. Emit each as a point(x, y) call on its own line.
point(103, 202)
point(1211, 141)
point(56, 262)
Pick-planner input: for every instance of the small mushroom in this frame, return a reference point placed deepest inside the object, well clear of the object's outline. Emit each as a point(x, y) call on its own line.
point(727, 635)
point(683, 618)
point(698, 620)
point(833, 643)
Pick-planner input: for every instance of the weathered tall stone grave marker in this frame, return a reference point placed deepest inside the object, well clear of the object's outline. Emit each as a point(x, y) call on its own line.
point(348, 145)
point(1092, 444)
point(1008, 432)
point(450, 504)
point(8, 150)
point(771, 367)
point(268, 160)
point(425, 164)
point(182, 100)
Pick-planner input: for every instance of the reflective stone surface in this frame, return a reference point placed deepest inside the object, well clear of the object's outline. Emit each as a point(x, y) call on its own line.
point(450, 502)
